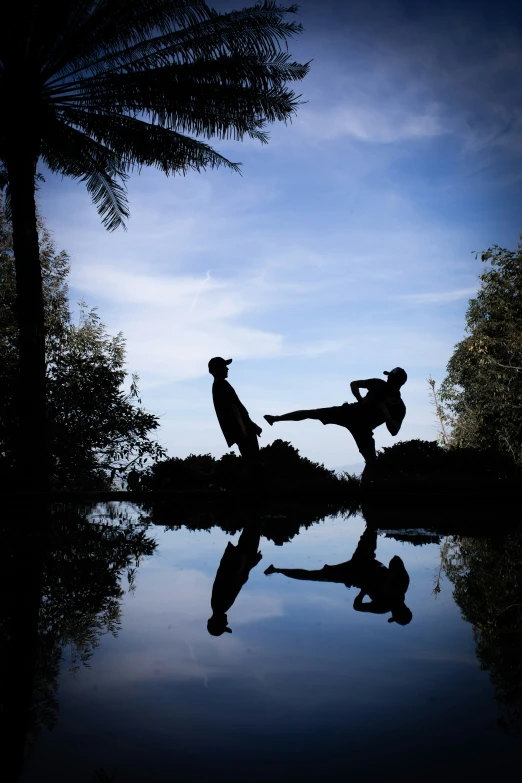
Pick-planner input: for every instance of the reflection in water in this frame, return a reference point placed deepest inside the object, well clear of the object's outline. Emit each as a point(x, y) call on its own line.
point(386, 587)
point(64, 592)
point(487, 578)
point(234, 569)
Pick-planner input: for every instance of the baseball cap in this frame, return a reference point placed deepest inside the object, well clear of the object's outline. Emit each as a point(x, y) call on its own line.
point(398, 374)
point(218, 624)
point(216, 362)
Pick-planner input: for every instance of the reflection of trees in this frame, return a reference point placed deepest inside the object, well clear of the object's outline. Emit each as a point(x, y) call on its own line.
point(64, 591)
point(279, 521)
point(487, 578)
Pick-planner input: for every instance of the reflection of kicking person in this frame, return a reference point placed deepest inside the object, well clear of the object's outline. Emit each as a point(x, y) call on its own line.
point(386, 587)
point(382, 404)
point(236, 424)
point(234, 569)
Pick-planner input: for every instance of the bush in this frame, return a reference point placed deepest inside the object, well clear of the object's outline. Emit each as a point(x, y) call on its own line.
point(281, 466)
point(421, 458)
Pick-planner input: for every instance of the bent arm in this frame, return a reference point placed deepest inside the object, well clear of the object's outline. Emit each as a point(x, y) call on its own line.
point(354, 388)
point(393, 426)
point(244, 421)
point(374, 607)
point(358, 604)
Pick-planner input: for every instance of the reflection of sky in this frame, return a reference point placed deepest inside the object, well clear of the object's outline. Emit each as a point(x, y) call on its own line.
point(304, 688)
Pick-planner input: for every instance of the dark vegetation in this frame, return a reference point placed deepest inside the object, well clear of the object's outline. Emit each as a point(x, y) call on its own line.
point(486, 574)
point(96, 425)
point(429, 464)
point(64, 582)
point(281, 466)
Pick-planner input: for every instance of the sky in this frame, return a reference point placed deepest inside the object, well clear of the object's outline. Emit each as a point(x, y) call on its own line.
point(344, 249)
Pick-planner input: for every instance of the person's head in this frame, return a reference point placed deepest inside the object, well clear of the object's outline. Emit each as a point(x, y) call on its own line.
point(400, 614)
point(218, 367)
point(218, 624)
point(396, 377)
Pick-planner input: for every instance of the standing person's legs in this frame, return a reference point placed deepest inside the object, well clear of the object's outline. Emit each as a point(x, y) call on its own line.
point(249, 450)
point(366, 445)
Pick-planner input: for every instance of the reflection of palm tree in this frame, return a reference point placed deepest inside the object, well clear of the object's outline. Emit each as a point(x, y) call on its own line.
point(233, 572)
point(96, 88)
point(386, 587)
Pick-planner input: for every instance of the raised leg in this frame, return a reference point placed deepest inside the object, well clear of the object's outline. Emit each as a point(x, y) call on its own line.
point(293, 416)
point(300, 573)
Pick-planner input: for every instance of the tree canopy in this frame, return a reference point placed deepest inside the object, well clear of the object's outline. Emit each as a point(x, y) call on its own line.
point(483, 387)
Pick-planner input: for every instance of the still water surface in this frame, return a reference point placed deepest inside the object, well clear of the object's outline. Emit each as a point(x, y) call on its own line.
point(305, 688)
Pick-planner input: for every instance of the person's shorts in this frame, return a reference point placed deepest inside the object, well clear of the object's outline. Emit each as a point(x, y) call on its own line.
point(342, 415)
point(347, 416)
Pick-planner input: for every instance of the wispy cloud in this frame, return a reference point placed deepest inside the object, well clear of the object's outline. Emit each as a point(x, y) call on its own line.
point(439, 297)
point(385, 123)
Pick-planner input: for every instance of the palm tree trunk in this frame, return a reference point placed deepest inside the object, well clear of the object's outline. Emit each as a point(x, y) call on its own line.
point(23, 596)
point(31, 457)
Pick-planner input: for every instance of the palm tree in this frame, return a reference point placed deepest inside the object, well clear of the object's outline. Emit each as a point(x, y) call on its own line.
point(98, 88)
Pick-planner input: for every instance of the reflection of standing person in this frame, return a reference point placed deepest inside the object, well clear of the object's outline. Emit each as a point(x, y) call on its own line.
point(234, 569)
point(382, 404)
point(386, 587)
point(236, 424)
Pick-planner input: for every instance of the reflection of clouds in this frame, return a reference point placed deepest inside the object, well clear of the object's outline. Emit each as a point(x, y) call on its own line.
point(184, 594)
point(171, 607)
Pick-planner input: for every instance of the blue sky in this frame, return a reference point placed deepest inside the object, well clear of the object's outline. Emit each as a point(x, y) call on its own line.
point(345, 248)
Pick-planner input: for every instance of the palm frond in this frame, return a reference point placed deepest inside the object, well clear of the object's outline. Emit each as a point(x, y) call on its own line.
point(112, 26)
point(257, 30)
point(77, 156)
point(228, 98)
point(135, 143)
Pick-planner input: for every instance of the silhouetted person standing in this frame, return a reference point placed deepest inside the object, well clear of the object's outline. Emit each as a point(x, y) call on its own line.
point(234, 569)
point(382, 404)
point(232, 415)
point(386, 587)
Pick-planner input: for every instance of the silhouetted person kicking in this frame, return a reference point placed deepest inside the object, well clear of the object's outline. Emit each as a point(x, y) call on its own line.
point(386, 587)
point(234, 569)
point(232, 415)
point(381, 404)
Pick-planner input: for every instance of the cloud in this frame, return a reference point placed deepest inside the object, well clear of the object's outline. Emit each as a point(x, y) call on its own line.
point(439, 297)
point(384, 124)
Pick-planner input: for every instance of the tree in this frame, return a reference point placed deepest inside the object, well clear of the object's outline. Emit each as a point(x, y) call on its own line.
point(97, 88)
point(486, 574)
point(483, 388)
point(95, 426)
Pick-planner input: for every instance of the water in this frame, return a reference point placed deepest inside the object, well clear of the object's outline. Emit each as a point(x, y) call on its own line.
point(305, 688)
